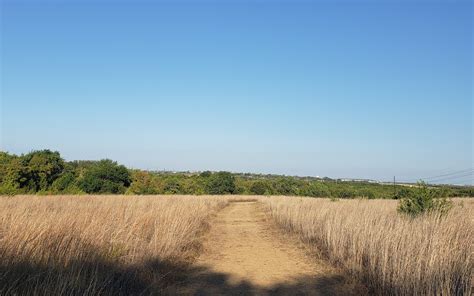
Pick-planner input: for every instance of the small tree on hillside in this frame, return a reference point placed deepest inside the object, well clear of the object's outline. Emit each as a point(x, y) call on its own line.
point(425, 200)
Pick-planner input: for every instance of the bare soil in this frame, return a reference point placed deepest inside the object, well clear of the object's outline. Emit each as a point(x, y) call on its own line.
point(246, 254)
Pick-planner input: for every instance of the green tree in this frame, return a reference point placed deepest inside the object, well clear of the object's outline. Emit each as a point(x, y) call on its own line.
point(259, 188)
point(44, 167)
point(66, 183)
point(286, 186)
point(172, 186)
point(105, 176)
point(423, 200)
point(32, 172)
point(316, 189)
point(5, 160)
point(142, 183)
point(221, 183)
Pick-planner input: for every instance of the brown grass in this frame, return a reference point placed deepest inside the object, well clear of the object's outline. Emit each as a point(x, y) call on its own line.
point(91, 245)
point(392, 254)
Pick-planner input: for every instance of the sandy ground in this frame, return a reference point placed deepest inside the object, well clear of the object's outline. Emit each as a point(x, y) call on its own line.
point(245, 254)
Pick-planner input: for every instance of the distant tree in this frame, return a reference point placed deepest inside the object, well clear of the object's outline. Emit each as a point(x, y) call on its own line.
point(66, 183)
point(5, 160)
point(221, 183)
point(366, 193)
point(105, 176)
point(286, 186)
point(315, 189)
point(142, 183)
point(205, 174)
point(259, 188)
point(31, 172)
point(172, 186)
point(44, 167)
point(345, 193)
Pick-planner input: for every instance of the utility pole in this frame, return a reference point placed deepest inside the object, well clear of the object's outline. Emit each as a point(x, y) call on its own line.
point(394, 187)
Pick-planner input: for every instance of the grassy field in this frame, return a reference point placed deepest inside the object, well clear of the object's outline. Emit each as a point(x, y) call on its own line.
point(98, 245)
point(129, 245)
point(391, 253)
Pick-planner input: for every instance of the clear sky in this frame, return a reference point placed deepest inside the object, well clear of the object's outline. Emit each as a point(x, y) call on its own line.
point(367, 89)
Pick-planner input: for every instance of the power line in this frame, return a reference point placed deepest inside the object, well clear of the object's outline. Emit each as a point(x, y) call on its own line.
point(453, 177)
point(449, 174)
point(469, 181)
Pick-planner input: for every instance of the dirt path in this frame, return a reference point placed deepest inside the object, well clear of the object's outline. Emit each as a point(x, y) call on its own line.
point(245, 254)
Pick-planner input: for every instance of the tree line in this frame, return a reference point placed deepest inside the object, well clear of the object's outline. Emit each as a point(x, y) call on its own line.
point(46, 172)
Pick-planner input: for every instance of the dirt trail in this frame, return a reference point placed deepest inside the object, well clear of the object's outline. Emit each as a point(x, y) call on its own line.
point(245, 254)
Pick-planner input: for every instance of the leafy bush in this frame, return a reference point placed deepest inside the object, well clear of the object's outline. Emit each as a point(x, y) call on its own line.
point(424, 200)
point(402, 193)
point(346, 193)
point(365, 193)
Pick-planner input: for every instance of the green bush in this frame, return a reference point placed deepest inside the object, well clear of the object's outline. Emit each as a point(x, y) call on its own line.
point(424, 200)
point(366, 193)
point(346, 193)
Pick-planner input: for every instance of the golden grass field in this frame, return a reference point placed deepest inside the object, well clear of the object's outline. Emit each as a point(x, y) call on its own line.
point(126, 245)
point(392, 254)
point(98, 245)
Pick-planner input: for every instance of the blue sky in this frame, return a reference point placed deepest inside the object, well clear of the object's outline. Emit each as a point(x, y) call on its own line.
point(367, 89)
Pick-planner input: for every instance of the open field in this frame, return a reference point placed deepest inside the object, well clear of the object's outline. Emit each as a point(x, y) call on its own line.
point(148, 245)
point(91, 245)
point(392, 254)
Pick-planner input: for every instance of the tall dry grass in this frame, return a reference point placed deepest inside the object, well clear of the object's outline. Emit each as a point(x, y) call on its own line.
point(391, 253)
point(98, 245)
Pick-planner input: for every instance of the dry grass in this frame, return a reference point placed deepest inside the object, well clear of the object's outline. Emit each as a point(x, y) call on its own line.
point(91, 245)
point(392, 254)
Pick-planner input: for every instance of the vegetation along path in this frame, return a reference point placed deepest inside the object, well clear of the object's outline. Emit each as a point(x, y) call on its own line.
point(245, 254)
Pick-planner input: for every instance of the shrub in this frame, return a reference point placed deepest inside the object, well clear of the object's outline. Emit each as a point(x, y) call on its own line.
point(402, 193)
point(365, 193)
point(346, 193)
point(424, 199)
